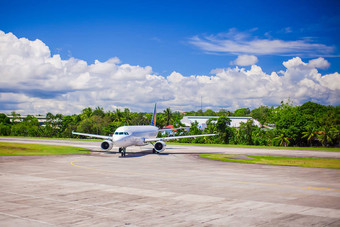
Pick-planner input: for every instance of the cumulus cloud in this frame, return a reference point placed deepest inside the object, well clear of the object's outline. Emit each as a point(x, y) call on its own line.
point(235, 42)
point(245, 60)
point(34, 81)
point(320, 63)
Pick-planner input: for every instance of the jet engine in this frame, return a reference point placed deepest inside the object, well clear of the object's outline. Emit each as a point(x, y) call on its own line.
point(106, 145)
point(160, 146)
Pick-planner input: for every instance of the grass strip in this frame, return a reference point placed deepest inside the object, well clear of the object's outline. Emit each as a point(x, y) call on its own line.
point(24, 149)
point(255, 146)
point(330, 163)
point(52, 138)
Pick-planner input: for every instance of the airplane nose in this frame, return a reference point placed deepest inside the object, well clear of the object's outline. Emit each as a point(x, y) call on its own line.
point(119, 141)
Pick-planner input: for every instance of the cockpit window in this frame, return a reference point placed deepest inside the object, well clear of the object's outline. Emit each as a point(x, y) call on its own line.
point(121, 133)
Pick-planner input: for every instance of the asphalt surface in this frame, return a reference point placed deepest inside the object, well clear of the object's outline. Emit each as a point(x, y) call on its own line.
point(175, 188)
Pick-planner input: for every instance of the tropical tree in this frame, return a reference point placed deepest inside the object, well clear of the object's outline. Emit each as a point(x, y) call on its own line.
point(28, 127)
point(86, 113)
point(127, 116)
point(245, 132)
point(262, 114)
point(260, 137)
point(5, 125)
point(328, 136)
point(118, 116)
point(310, 134)
point(99, 111)
point(140, 119)
point(242, 112)
point(223, 129)
point(69, 123)
point(53, 124)
point(209, 112)
point(223, 112)
point(281, 139)
point(168, 115)
point(15, 117)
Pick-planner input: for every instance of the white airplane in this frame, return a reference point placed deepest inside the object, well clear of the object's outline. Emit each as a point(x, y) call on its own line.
point(140, 135)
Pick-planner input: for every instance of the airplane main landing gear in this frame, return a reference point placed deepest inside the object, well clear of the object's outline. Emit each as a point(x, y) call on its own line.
point(122, 150)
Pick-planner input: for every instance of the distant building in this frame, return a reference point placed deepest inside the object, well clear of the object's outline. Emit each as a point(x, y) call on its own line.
point(41, 119)
point(170, 130)
point(202, 121)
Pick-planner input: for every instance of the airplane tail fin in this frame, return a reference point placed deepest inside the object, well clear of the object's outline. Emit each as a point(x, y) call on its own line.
point(153, 121)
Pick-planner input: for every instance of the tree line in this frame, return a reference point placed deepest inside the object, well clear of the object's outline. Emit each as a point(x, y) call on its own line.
point(310, 124)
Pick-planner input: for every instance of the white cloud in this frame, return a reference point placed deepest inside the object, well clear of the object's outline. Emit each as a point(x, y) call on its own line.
point(33, 81)
point(320, 63)
point(245, 60)
point(235, 42)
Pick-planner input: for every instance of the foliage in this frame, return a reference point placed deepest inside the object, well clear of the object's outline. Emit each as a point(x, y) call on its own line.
point(262, 114)
point(310, 124)
point(242, 112)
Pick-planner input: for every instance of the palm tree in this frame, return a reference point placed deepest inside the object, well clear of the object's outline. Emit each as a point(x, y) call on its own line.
point(327, 136)
point(310, 134)
point(127, 116)
point(118, 115)
point(282, 139)
point(168, 115)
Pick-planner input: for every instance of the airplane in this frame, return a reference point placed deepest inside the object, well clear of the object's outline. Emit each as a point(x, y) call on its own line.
point(137, 135)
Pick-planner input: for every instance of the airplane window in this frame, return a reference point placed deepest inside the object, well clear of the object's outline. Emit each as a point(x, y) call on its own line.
point(121, 133)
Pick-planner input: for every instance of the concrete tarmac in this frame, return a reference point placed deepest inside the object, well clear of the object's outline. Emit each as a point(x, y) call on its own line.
point(175, 188)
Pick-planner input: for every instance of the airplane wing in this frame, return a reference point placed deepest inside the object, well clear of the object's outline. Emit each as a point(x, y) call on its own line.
point(172, 129)
point(176, 137)
point(92, 135)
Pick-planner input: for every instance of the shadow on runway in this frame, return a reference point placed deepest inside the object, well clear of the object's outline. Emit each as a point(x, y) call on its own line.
point(145, 153)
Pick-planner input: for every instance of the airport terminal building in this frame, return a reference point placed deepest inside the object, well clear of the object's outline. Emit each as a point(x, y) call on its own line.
point(202, 121)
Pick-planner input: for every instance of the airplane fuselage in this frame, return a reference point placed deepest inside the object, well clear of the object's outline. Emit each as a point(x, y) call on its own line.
point(134, 135)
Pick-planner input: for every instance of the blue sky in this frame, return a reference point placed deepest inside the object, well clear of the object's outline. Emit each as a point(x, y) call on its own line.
point(149, 33)
point(187, 37)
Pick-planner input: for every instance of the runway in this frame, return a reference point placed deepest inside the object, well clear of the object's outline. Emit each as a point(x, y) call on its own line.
point(174, 188)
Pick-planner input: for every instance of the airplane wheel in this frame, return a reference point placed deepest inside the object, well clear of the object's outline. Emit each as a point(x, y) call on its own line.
point(123, 151)
point(154, 151)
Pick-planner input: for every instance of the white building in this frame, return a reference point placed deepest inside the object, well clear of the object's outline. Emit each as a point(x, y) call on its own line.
point(41, 119)
point(202, 121)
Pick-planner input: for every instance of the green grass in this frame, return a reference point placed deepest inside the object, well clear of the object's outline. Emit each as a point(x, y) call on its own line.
point(49, 138)
point(276, 160)
point(16, 149)
point(254, 146)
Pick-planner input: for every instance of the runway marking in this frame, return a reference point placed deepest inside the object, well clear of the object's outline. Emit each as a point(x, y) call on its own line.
point(102, 171)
